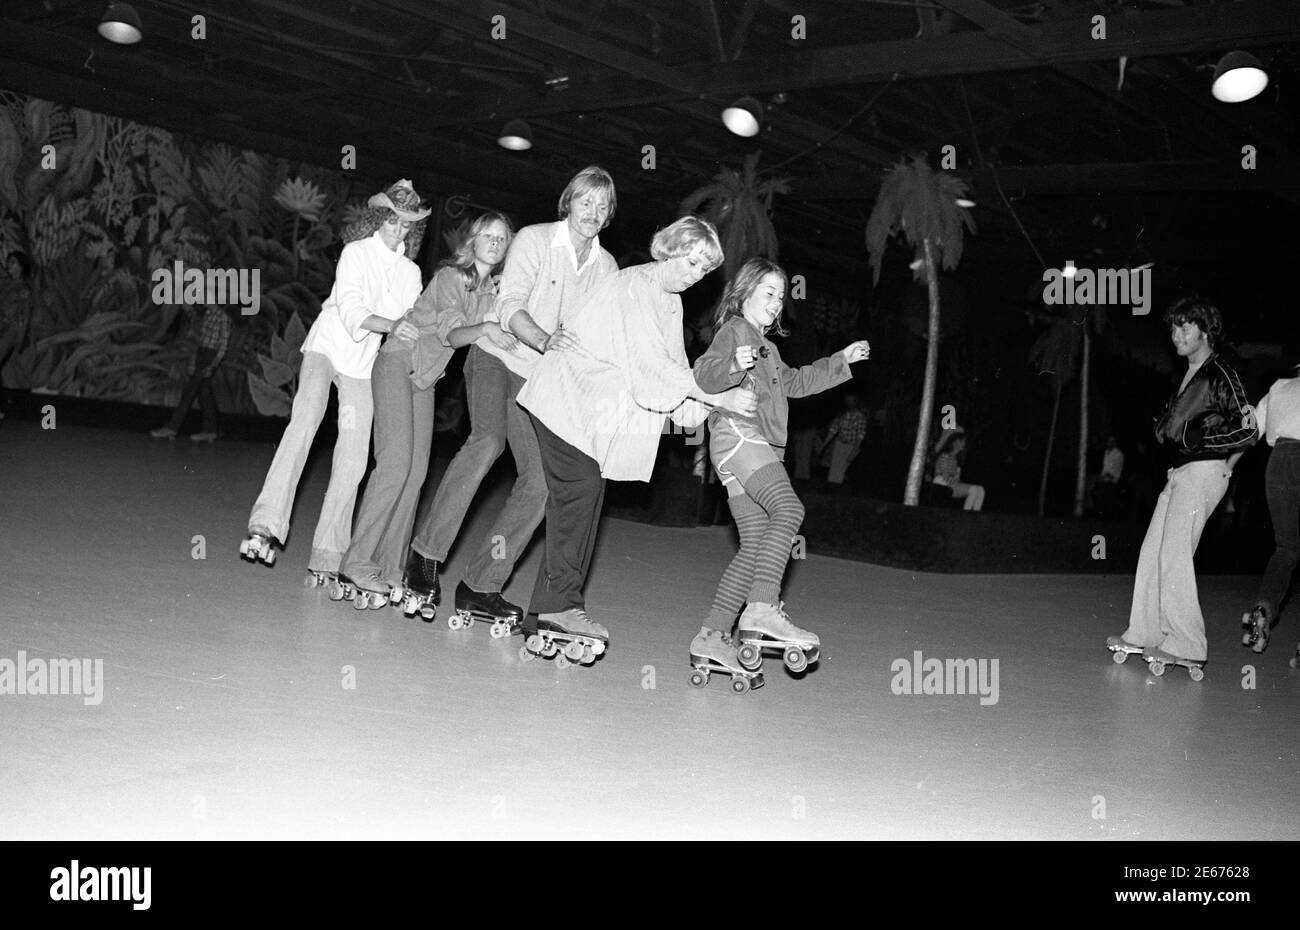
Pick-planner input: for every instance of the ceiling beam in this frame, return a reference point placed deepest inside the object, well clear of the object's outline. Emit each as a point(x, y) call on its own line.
point(1137, 177)
point(54, 67)
point(1142, 34)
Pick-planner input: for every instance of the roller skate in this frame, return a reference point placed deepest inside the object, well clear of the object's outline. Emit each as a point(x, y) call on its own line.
point(259, 545)
point(1121, 649)
point(365, 591)
point(716, 652)
point(317, 579)
point(1257, 623)
point(567, 636)
point(490, 607)
point(765, 626)
point(1158, 660)
point(420, 591)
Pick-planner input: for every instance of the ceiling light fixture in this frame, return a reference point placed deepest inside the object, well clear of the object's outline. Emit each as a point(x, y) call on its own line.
point(516, 136)
point(1238, 77)
point(121, 24)
point(744, 117)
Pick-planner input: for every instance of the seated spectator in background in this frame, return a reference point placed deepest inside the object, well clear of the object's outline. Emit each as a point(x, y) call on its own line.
point(1112, 470)
point(844, 439)
point(949, 454)
point(212, 333)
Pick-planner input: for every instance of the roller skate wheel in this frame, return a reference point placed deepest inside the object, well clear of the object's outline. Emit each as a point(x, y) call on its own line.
point(533, 643)
point(454, 622)
point(498, 631)
point(573, 651)
point(739, 685)
point(311, 581)
point(550, 648)
point(526, 654)
point(597, 648)
point(359, 601)
point(395, 595)
point(698, 678)
point(1157, 668)
point(243, 548)
point(795, 660)
point(335, 591)
point(750, 656)
point(269, 557)
point(1195, 673)
point(1248, 638)
point(588, 655)
point(1120, 656)
point(427, 614)
point(1295, 662)
point(561, 661)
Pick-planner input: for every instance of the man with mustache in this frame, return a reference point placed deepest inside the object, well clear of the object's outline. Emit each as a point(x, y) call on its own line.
point(548, 269)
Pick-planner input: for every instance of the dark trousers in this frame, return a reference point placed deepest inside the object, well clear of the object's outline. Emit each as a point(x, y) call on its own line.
point(1282, 484)
point(199, 385)
point(576, 494)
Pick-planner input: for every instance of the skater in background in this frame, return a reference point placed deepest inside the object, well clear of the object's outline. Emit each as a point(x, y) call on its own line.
point(844, 437)
point(548, 269)
point(1277, 417)
point(375, 284)
point(1207, 424)
point(212, 335)
point(746, 450)
point(598, 399)
point(949, 456)
point(448, 315)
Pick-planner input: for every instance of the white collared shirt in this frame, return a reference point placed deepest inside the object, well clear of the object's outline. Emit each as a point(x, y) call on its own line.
point(563, 239)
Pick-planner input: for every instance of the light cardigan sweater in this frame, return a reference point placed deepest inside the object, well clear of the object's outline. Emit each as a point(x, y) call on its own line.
point(541, 276)
point(609, 397)
point(370, 279)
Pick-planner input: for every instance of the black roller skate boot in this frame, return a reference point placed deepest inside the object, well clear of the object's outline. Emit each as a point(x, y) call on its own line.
point(505, 617)
point(420, 589)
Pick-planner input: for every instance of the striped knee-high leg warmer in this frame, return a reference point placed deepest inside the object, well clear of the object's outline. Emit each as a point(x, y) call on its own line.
point(751, 521)
point(770, 488)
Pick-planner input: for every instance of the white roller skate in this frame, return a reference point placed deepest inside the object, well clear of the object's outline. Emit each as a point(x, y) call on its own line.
point(767, 626)
point(368, 591)
point(1121, 649)
point(259, 545)
point(568, 636)
point(716, 652)
point(1158, 660)
point(1257, 624)
point(317, 579)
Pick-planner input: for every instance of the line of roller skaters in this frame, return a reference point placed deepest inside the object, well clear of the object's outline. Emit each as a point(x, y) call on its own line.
point(575, 365)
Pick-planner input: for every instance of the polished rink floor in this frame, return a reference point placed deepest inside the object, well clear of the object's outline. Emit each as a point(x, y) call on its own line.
point(238, 703)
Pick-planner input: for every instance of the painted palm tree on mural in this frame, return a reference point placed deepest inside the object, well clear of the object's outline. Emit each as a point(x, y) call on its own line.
point(923, 206)
point(739, 203)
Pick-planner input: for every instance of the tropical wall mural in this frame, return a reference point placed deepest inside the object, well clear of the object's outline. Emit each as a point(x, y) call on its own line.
point(92, 207)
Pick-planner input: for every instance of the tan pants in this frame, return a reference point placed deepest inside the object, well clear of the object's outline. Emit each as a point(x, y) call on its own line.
point(1166, 609)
